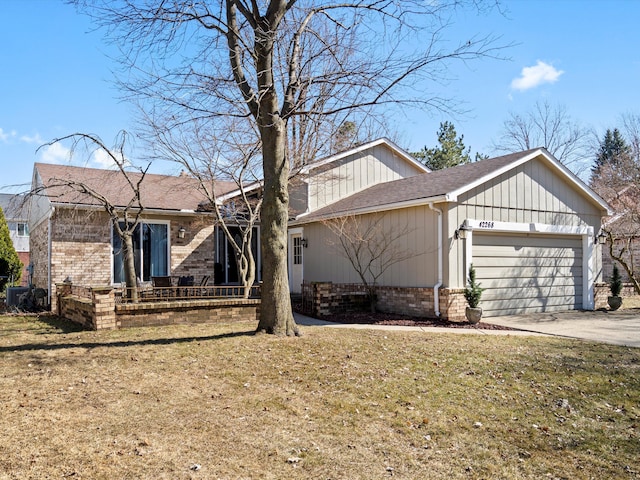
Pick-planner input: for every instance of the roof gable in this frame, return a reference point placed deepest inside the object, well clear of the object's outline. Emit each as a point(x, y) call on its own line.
point(444, 186)
point(360, 148)
point(158, 192)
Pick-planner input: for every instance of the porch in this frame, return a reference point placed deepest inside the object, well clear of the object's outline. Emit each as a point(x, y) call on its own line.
point(98, 308)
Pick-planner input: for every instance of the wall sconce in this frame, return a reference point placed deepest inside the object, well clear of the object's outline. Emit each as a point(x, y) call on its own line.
point(181, 232)
point(462, 231)
point(304, 242)
point(601, 238)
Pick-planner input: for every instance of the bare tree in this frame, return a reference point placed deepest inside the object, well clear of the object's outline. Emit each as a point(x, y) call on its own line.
point(125, 218)
point(547, 126)
point(213, 159)
point(370, 247)
point(282, 65)
point(616, 180)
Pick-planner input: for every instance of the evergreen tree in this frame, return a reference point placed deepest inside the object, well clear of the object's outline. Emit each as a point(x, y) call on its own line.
point(613, 156)
point(10, 264)
point(450, 153)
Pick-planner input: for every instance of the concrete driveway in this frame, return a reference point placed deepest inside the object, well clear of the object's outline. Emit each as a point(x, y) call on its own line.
point(621, 327)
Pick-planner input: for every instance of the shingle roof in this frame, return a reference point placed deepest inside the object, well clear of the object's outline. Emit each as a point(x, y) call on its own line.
point(161, 192)
point(13, 206)
point(424, 186)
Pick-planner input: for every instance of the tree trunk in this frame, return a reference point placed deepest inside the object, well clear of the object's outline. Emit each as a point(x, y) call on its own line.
point(276, 315)
point(128, 256)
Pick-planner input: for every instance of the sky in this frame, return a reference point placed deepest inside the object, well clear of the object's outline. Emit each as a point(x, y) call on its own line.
point(584, 55)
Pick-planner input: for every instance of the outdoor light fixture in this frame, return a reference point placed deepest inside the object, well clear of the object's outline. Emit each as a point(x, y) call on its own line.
point(181, 232)
point(304, 242)
point(462, 231)
point(602, 238)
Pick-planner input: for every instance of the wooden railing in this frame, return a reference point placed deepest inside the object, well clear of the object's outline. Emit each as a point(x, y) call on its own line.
point(165, 294)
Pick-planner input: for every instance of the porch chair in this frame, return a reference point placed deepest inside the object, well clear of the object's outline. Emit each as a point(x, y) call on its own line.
point(162, 286)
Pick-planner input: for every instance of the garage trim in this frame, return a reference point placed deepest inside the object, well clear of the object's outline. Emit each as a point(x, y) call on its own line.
point(586, 232)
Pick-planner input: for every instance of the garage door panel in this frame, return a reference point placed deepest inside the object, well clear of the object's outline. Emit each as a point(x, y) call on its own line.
point(531, 305)
point(563, 268)
point(530, 282)
point(525, 252)
point(531, 292)
point(528, 273)
point(506, 240)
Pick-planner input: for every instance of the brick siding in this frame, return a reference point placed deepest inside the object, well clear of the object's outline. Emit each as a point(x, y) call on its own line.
point(81, 249)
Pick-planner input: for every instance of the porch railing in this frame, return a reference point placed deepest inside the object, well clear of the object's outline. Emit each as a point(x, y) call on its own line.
point(186, 293)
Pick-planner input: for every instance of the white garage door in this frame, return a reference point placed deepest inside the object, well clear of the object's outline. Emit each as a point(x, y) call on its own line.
point(528, 273)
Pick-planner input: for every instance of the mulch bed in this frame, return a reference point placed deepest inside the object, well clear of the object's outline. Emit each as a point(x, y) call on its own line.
point(378, 318)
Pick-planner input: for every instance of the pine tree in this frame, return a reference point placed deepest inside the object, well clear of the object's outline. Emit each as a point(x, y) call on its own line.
point(613, 156)
point(450, 153)
point(10, 264)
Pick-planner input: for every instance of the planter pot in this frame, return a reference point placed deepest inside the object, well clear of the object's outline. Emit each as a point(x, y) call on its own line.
point(473, 314)
point(614, 302)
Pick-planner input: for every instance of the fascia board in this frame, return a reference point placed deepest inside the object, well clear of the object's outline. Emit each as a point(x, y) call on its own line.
point(300, 219)
point(380, 141)
point(153, 211)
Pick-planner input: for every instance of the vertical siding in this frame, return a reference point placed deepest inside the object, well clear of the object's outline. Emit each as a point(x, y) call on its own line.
point(420, 243)
point(530, 193)
point(354, 173)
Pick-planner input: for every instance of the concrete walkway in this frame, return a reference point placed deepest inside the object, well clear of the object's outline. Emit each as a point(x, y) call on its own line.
point(314, 322)
point(619, 328)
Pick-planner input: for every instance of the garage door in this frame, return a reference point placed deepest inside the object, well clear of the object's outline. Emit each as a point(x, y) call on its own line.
point(528, 273)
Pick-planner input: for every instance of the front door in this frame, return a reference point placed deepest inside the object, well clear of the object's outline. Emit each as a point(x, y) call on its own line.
point(295, 262)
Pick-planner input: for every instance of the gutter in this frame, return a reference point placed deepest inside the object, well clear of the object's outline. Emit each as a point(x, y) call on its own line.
point(436, 287)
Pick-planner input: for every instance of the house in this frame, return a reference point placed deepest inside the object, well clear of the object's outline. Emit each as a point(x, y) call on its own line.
point(72, 236)
point(17, 216)
point(525, 222)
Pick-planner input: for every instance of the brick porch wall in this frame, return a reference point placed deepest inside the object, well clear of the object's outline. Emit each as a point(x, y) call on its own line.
point(101, 312)
point(328, 298)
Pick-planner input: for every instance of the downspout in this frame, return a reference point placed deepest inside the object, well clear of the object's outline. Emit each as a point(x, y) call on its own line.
point(436, 287)
point(49, 240)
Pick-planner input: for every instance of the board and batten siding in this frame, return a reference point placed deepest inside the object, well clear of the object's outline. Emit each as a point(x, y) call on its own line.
point(355, 173)
point(529, 193)
point(324, 259)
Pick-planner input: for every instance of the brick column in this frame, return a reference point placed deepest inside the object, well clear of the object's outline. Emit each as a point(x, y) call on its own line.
point(62, 290)
point(104, 308)
point(321, 298)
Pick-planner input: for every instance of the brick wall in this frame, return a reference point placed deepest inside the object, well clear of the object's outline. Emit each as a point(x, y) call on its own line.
point(81, 248)
point(328, 298)
point(101, 312)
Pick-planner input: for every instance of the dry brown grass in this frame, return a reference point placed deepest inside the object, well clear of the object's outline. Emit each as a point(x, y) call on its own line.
point(153, 403)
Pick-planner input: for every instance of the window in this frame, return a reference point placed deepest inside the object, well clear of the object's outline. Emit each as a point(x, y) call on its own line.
point(297, 250)
point(23, 230)
point(150, 249)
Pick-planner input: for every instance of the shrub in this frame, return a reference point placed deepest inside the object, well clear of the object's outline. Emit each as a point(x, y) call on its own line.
point(615, 283)
point(473, 292)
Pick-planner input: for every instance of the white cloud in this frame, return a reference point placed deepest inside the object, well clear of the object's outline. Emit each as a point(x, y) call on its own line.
point(5, 136)
point(36, 139)
point(531, 77)
point(102, 159)
point(55, 153)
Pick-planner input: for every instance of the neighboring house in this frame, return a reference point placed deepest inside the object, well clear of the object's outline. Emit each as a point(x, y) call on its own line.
point(524, 220)
point(72, 236)
point(16, 213)
point(624, 225)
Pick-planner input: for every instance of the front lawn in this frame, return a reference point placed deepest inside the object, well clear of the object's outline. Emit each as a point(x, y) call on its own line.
point(217, 402)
